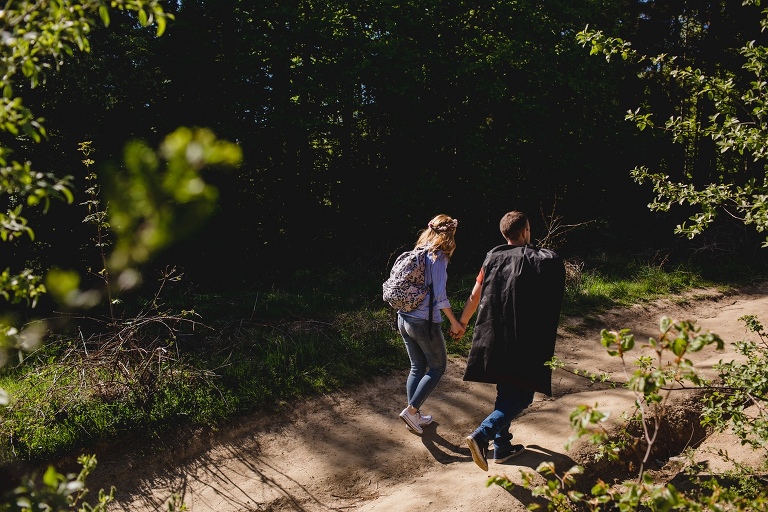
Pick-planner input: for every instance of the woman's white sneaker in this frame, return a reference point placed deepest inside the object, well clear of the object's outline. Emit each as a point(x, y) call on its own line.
point(424, 419)
point(412, 420)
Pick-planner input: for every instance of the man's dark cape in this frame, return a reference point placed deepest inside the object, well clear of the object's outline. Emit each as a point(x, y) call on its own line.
point(517, 318)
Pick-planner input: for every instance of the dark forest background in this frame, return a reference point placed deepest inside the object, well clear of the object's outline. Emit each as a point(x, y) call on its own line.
point(361, 120)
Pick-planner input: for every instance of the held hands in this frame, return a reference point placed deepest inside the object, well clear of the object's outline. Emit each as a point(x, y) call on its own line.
point(457, 330)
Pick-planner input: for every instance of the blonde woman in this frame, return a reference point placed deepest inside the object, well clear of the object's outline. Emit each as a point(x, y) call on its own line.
point(423, 338)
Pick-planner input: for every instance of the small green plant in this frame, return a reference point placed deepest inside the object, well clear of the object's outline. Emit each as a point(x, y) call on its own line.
point(55, 492)
point(37, 38)
point(741, 403)
point(652, 382)
point(97, 216)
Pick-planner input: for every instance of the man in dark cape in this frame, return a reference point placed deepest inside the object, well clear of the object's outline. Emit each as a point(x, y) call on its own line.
point(518, 295)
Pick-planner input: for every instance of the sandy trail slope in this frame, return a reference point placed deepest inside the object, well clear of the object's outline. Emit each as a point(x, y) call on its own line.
point(350, 451)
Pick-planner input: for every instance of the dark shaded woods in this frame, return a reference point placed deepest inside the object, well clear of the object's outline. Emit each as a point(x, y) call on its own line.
point(360, 121)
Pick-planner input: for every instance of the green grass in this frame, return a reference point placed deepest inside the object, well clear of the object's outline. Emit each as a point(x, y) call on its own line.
point(623, 283)
point(261, 349)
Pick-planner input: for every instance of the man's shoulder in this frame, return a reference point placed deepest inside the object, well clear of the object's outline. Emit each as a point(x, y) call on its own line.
point(522, 250)
point(524, 259)
point(499, 249)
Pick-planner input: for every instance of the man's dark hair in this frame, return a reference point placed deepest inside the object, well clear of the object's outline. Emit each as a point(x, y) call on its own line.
point(512, 224)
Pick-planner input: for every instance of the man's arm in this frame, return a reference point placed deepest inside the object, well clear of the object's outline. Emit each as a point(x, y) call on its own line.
point(471, 306)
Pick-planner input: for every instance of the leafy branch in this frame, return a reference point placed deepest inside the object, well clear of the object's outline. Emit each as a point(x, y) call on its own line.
point(737, 129)
point(652, 383)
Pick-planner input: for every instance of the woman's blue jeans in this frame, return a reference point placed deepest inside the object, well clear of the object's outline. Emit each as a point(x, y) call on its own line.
point(510, 401)
point(424, 353)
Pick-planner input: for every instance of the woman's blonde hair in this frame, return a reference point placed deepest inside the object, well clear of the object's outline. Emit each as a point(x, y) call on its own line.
point(439, 235)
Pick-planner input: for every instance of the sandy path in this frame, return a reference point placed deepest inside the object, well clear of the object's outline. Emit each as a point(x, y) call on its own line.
point(351, 452)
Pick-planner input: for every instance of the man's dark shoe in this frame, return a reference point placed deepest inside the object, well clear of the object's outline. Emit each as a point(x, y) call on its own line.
point(479, 451)
point(505, 454)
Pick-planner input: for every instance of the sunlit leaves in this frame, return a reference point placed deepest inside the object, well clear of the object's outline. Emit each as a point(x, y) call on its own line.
point(588, 421)
point(158, 198)
point(745, 383)
point(24, 286)
point(63, 285)
point(30, 188)
point(652, 377)
point(617, 342)
point(58, 492)
point(37, 36)
point(652, 383)
point(187, 152)
point(608, 46)
point(716, 106)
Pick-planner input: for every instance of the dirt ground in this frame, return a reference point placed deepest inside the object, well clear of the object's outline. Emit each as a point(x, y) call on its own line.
point(350, 451)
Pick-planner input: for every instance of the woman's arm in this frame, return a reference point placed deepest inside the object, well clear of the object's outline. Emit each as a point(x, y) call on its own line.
point(439, 282)
point(456, 327)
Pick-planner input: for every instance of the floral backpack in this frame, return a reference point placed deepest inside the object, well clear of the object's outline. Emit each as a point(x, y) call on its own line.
point(406, 287)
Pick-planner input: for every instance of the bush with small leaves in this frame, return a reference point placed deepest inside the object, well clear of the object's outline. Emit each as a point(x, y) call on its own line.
point(652, 383)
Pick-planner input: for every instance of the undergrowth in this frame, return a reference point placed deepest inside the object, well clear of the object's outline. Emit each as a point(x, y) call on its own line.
point(621, 282)
point(203, 357)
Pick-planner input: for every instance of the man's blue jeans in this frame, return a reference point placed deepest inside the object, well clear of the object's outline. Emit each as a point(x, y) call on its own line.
point(424, 351)
point(510, 401)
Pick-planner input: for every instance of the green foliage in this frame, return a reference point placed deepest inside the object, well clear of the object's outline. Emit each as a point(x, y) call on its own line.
point(652, 383)
point(263, 348)
point(37, 38)
point(384, 92)
point(126, 374)
point(553, 489)
point(42, 33)
point(721, 115)
point(56, 492)
point(155, 200)
point(23, 286)
point(151, 206)
point(618, 281)
point(655, 378)
point(26, 188)
point(740, 402)
point(588, 421)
